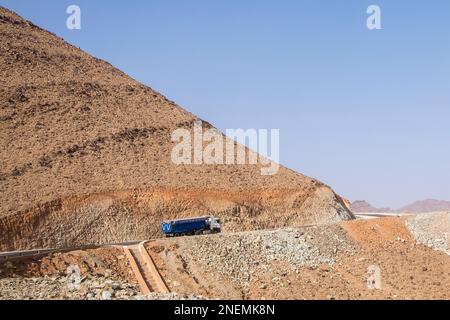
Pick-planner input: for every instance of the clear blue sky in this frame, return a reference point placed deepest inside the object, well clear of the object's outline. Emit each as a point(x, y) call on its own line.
point(367, 112)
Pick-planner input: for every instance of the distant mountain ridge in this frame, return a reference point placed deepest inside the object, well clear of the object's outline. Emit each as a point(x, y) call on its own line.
point(423, 206)
point(364, 206)
point(429, 205)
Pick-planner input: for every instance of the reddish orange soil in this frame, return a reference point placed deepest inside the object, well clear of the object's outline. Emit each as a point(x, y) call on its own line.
point(97, 262)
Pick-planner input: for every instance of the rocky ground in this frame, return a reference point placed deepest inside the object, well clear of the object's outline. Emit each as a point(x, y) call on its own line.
point(319, 262)
point(62, 287)
point(90, 288)
point(425, 227)
point(335, 261)
point(94, 274)
point(241, 255)
point(89, 274)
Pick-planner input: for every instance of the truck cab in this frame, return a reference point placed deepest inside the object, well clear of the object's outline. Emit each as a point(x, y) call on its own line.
point(214, 224)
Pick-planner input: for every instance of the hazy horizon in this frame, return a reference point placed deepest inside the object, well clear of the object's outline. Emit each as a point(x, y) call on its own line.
point(366, 112)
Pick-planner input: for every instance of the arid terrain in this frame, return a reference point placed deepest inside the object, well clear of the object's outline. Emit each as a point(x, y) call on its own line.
point(86, 156)
point(315, 262)
point(86, 178)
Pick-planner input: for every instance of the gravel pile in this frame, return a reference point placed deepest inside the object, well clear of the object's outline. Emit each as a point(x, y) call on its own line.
point(61, 287)
point(242, 255)
point(431, 229)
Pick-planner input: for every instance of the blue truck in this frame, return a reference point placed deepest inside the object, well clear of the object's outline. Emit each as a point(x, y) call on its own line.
point(191, 226)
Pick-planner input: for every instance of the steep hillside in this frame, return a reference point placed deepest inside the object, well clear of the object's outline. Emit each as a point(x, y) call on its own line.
point(85, 156)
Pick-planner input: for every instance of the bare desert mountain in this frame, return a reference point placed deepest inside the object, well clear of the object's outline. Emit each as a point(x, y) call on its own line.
point(85, 156)
point(364, 206)
point(426, 206)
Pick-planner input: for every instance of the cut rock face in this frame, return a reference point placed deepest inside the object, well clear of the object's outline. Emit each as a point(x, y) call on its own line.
point(86, 156)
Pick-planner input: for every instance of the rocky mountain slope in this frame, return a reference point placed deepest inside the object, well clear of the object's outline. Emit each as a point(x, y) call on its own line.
point(85, 156)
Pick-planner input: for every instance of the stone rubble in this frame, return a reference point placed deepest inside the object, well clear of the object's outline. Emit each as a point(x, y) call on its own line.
point(432, 230)
point(242, 255)
point(90, 288)
point(61, 288)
